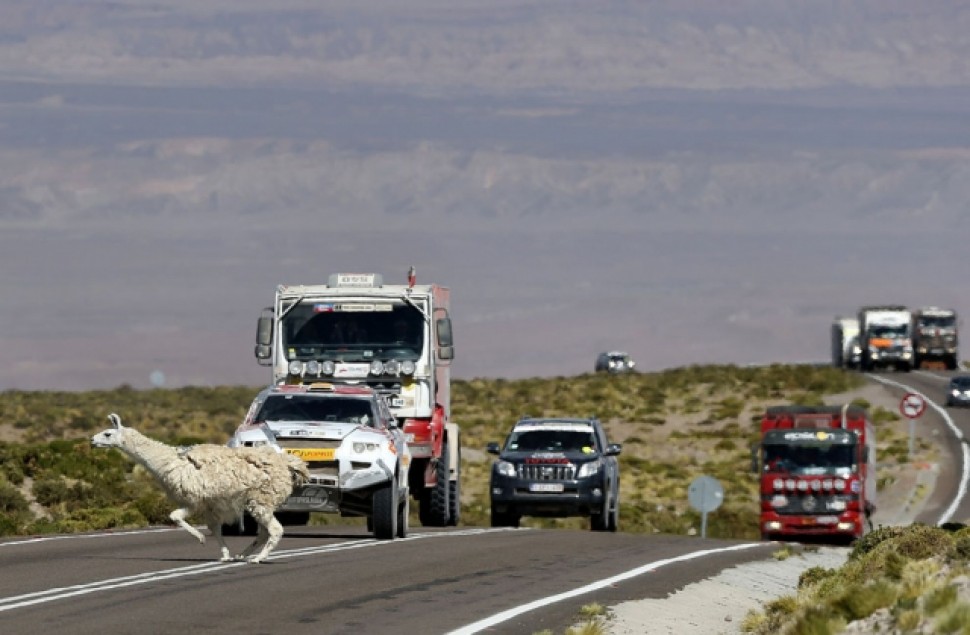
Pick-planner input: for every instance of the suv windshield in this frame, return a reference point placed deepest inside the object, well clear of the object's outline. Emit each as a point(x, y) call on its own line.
point(302, 408)
point(551, 441)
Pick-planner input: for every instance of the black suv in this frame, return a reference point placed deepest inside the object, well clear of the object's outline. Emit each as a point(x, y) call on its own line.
point(556, 468)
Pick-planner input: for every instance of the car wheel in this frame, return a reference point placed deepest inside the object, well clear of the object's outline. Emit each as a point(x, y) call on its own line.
point(403, 516)
point(614, 521)
point(384, 511)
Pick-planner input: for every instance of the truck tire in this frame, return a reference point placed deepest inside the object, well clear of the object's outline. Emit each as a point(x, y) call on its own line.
point(384, 511)
point(435, 501)
point(454, 496)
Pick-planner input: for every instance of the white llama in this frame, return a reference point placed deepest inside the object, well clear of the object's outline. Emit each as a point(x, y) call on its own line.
point(215, 483)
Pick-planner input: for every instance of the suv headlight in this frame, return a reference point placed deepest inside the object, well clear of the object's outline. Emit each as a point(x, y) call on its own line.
point(504, 468)
point(589, 469)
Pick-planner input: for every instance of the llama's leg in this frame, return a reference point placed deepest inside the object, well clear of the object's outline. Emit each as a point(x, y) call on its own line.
point(216, 529)
point(270, 531)
point(179, 516)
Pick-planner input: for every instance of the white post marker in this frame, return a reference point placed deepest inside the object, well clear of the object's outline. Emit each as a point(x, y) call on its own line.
point(912, 407)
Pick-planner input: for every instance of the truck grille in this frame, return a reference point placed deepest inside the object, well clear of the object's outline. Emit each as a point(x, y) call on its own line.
point(546, 472)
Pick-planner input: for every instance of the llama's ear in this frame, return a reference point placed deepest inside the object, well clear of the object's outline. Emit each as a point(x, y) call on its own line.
point(115, 420)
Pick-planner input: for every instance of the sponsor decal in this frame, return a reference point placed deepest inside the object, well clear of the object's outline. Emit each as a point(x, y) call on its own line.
point(313, 454)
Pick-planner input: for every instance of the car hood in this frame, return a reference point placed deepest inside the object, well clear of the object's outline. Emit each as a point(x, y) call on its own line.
point(322, 430)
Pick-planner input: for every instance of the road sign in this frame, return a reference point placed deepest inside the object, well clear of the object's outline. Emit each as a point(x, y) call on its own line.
point(912, 405)
point(705, 495)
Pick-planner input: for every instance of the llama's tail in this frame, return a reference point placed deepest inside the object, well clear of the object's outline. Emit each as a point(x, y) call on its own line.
point(298, 469)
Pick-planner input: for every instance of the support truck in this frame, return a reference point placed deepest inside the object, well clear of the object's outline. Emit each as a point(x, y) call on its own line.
point(885, 338)
point(818, 473)
point(395, 339)
point(935, 337)
point(846, 352)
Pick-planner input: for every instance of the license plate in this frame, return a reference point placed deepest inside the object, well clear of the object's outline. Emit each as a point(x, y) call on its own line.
point(351, 371)
point(313, 454)
point(545, 487)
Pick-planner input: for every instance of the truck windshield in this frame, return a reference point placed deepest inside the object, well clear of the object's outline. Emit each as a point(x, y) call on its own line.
point(298, 408)
point(889, 332)
point(810, 460)
point(353, 331)
point(934, 322)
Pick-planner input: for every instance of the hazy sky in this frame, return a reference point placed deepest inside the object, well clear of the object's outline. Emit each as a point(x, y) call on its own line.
point(691, 181)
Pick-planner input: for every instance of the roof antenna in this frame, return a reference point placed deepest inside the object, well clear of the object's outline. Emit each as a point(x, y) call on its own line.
point(412, 277)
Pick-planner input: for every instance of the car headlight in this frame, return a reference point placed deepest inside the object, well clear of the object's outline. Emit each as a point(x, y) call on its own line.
point(955, 392)
point(504, 468)
point(258, 444)
point(295, 367)
point(589, 469)
point(361, 447)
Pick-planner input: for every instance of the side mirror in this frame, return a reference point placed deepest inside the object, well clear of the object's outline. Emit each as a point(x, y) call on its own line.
point(444, 333)
point(264, 335)
point(613, 449)
point(754, 458)
point(493, 448)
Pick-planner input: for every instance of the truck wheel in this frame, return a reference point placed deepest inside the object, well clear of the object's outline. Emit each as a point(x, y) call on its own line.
point(385, 511)
point(435, 502)
point(454, 497)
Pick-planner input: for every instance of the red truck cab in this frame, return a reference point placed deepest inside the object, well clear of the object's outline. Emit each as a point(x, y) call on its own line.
point(817, 473)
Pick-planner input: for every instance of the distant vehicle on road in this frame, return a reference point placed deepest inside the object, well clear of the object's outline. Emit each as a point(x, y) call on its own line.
point(615, 362)
point(958, 392)
point(556, 468)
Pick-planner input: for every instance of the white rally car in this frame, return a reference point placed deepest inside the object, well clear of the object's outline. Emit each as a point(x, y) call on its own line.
point(352, 444)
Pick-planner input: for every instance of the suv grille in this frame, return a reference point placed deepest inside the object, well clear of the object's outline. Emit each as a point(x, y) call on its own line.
point(546, 472)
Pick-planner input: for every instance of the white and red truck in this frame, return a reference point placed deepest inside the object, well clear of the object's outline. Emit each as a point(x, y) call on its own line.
point(817, 468)
point(395, 339)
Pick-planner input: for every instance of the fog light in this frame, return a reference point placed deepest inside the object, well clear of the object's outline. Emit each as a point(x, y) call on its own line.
point(845, 526)
point(773, 525)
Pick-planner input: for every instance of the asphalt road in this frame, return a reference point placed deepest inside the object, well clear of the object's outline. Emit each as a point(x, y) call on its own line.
point(321, 582)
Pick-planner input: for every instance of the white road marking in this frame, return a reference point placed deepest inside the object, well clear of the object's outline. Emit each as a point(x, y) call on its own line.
point(498, 618)
point(961, 440)
point(60, 593)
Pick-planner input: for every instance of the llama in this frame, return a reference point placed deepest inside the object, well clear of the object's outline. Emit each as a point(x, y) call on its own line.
point(217, 483)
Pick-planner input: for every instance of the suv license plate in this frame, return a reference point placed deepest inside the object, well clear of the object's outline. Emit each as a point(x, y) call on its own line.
point(545, 487)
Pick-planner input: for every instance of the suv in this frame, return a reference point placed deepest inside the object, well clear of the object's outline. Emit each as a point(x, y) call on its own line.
point(352, 444)
point(556, 468)
point(614, 362)
point(958, 394)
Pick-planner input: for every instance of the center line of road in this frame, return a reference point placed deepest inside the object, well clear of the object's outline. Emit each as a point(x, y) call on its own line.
point(50, 595)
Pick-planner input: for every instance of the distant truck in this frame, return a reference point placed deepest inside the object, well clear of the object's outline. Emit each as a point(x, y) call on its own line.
point(846, 351)
point(885, 338)
point(818, 472)
point(393, 338)
point(935, 337)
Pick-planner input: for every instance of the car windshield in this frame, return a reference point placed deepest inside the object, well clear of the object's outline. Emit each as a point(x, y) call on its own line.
point(960, 382)
point(304, 408)
point(551, 441)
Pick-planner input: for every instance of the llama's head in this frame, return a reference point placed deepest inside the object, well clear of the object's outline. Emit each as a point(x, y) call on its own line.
point(110, 438)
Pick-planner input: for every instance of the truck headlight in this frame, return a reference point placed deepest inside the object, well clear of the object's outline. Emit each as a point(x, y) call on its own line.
point(504, 468)
point(407, 367)
point(376, 367)
point(589, 469)
point(295, 367)
point(327, 367)
point(313, 367)
point(392, 367)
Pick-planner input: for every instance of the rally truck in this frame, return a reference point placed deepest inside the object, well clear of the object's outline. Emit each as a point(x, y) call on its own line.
point(355, 452)
point(817, 467)
point(396, 340)
point(885, 338)
point(935, 337)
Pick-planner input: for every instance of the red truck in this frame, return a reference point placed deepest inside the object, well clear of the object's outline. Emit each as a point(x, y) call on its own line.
point(818, 473)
